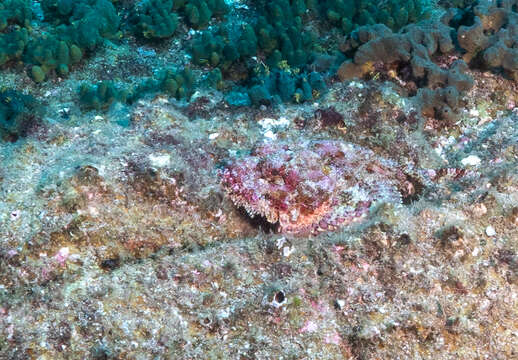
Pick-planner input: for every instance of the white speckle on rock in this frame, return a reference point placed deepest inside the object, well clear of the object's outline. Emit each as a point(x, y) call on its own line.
point(287, 251)
point(340, 303)
point(92, 210)
point(269, 123)
point(213, 136)
point(271, 126)
point(356, 84)
point(479, 210)
point(280, 242)
point(474, 112)
point(160, 160)
point(471, 160)
point(490, 231)
point(270, 135)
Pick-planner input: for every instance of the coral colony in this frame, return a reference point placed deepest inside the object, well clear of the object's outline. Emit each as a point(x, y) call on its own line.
point(258, 179)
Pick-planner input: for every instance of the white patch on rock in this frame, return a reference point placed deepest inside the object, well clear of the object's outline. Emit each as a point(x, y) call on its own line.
point(160, 160)
point(270, 135)
point(490, 231)
point(474, 112)
point(287, 251)
point(272, 126)
point(269, 123)
point(471, 160)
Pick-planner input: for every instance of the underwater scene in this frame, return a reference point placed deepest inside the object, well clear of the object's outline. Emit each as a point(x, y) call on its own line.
point(258, 179)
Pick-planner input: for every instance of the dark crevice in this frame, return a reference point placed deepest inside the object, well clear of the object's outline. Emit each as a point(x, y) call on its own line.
point(259, 222)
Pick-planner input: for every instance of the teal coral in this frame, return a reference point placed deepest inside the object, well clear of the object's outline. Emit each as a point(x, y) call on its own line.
point(179, 84)
point(214, 48)
point(350, 14)
point(209, 49)
point(461, 4)
point(271, 58)
point(15, 12)
point(100, 96)
point(155, 19)
point(198, 13)
point(51, 54)
point(91, 22)
point(279, 86)
point(281, 33)
point(80, 27)
point(12, 44)
point(15, 16)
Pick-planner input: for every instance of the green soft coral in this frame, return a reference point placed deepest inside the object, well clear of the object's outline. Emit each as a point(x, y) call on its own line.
point(349, 14)
point(281, 34)
point(198, 13)
point(155, 19)
point(12, 44)
point(100, 96)
point(85, 23)
point(49, 53)
point(15, 12)
point(80, 27)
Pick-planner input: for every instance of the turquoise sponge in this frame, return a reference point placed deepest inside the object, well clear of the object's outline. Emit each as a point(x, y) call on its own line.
point(155, 19)
point(177, 83)
point(278, 86)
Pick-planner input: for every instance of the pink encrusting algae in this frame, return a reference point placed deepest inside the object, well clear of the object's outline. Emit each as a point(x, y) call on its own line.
point(312, 186)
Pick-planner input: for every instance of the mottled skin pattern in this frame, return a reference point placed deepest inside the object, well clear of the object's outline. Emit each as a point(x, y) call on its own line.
point(312, 186)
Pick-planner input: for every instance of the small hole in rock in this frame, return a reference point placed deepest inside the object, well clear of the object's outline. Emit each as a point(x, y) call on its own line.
point(280, 297)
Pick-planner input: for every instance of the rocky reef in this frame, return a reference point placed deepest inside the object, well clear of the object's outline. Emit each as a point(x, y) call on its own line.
point(256, 179)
